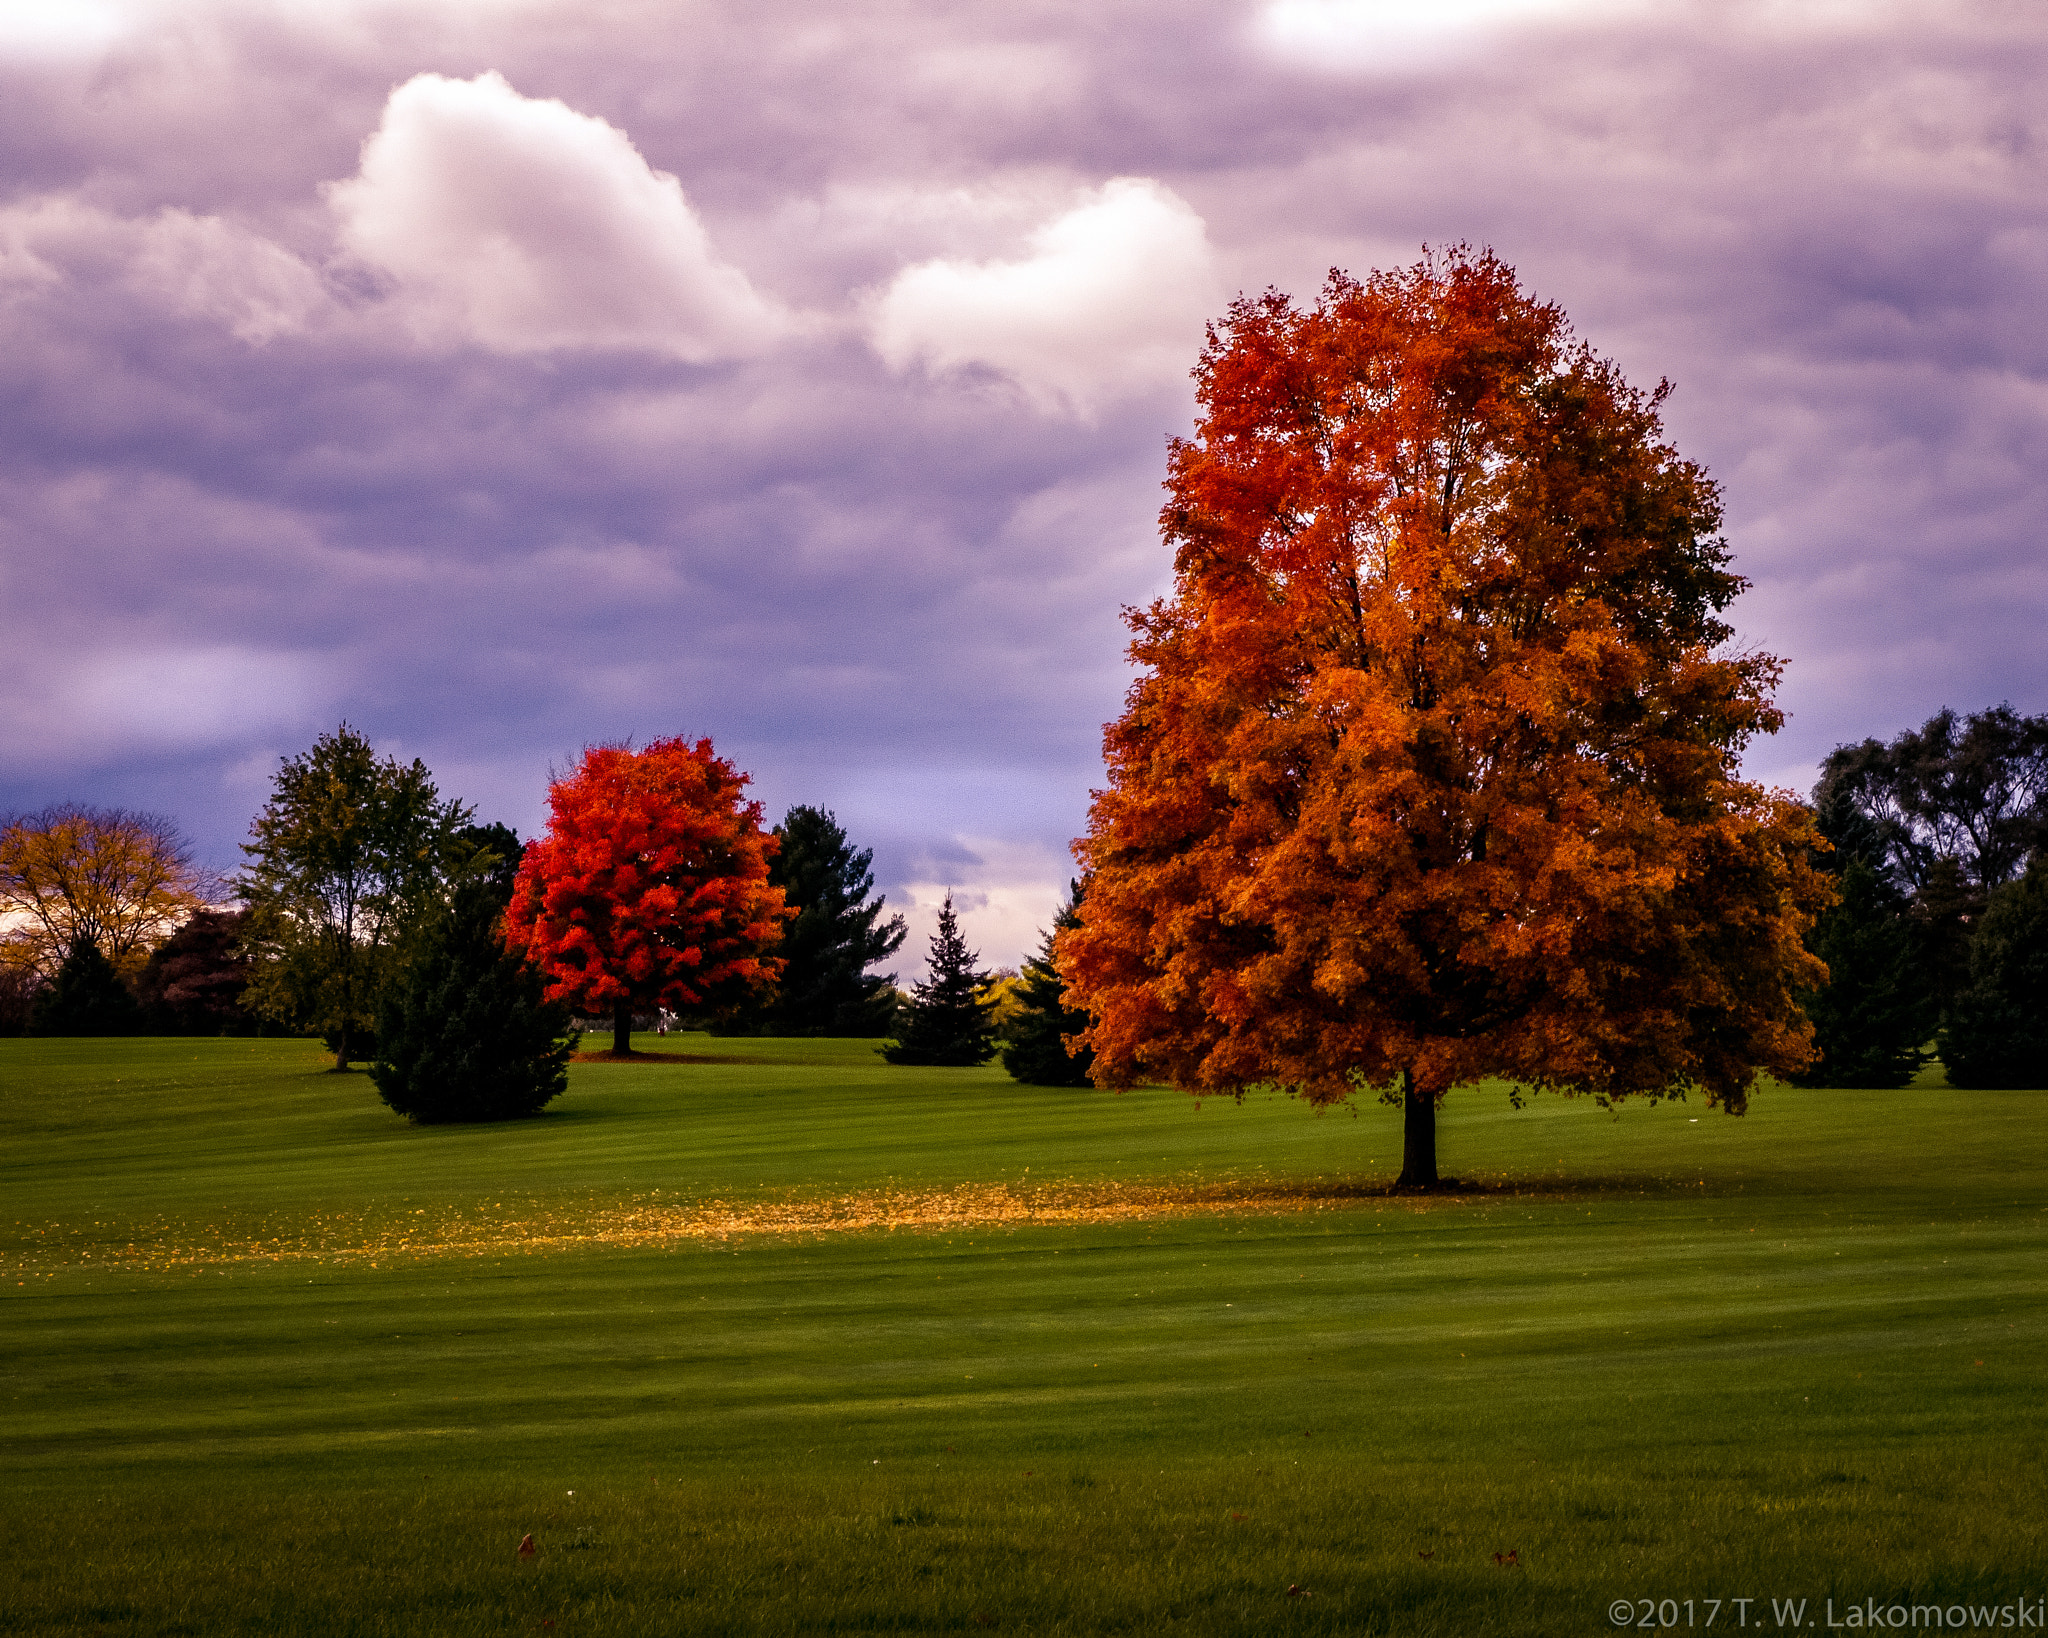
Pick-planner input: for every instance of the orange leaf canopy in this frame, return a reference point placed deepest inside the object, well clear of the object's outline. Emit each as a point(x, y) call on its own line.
point(1431, 767)
point(651, 884)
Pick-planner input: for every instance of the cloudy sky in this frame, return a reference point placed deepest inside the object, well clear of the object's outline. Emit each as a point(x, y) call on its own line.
point(508, 375)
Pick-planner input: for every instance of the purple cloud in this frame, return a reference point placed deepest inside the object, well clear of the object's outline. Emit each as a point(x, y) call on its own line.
point(509, 378)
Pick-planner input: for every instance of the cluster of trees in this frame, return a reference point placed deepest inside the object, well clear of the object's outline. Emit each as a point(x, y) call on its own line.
point(103, 914)
point(1431, 775)
point(1939, 942)
point(453, 959)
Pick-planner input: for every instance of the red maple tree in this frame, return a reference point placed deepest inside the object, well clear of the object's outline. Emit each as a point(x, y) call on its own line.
point(1432, 770)
point(651, 885)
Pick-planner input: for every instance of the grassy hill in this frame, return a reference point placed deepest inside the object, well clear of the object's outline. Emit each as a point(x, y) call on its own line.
point(784, 1339)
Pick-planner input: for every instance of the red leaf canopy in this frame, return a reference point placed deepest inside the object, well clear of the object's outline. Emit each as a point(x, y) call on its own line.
point(651, 886)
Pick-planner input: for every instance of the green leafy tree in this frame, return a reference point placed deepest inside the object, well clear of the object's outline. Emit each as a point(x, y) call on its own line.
point(1873, 1017)
point(86, 997)
point(1997, 1031)
point(347, 850)
point(464, 1032)
point(836, 937)
point(1037, 1052)
point(1973, 789)
point(1948, 812)
point(947, 1020)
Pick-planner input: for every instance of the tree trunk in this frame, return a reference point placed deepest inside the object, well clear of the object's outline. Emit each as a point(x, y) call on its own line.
point(622, 1028)
point(341, 1049)
point(1418, 1136)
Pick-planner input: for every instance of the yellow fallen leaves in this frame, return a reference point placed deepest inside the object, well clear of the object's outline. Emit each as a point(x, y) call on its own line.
point(645, 1222)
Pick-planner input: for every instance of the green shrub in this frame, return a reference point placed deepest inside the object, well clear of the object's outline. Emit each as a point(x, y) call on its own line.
point(463, 1033)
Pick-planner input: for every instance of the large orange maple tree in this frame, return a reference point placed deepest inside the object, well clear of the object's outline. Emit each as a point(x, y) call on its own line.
point(650, 887)
point(1430, 774)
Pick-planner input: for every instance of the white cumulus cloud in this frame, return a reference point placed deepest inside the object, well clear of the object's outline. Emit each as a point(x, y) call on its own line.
point(523, 226)
point(1109, 304)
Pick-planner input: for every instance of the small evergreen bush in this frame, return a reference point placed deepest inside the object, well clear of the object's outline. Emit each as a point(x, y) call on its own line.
point(463, 1033)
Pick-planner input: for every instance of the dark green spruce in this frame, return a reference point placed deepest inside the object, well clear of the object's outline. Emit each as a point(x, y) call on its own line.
point(1036, 1054)
point(463, 1033)
point(1997, 1030)
point(946, 1021)
point(837, 936)
point(86, 997)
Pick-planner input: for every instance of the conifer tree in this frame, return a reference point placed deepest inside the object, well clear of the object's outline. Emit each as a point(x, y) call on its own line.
point(1997, 1031)
point(463, 1030)
point(946, 1021)
point(86, 997)
point(1036, 1053)
point(836, 936)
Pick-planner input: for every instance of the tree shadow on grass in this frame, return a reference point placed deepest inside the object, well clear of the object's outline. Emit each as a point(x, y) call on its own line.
point(1452, 1190)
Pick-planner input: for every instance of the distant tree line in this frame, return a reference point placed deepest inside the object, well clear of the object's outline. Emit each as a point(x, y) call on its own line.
point(1939, 942)
point(453, 959)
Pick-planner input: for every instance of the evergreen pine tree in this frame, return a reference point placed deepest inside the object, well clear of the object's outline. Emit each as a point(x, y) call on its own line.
point(86, 997)
point(1036, 1055)
point(463, 1033)
point(825, 988)
point(1871, 1021)
point(946, 1021)
point(1997, 1030)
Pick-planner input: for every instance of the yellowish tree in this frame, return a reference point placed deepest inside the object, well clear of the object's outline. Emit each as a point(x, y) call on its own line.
point(120, 879)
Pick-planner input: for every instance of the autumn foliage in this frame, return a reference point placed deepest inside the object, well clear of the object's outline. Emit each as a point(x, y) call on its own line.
point(118, 879)
point(1430, 774)
point(651, 885)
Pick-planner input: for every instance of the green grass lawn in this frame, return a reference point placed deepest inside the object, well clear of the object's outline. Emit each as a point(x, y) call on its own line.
point(275, 1362)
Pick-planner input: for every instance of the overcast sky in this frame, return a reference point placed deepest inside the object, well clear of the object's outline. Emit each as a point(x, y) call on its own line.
point(508, 375)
